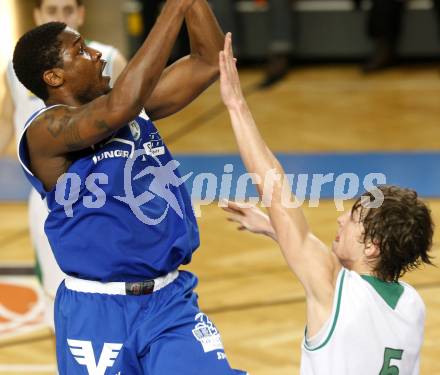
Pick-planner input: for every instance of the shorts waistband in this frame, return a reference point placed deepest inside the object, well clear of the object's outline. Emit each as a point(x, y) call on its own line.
point(121, 288)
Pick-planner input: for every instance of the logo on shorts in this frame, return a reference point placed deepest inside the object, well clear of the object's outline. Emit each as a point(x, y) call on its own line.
point(83, 352)
point(206, 333)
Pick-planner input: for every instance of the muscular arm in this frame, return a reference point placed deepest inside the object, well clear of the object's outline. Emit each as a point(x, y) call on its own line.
point(187, 78)
point(313, 263)
point(66, 129)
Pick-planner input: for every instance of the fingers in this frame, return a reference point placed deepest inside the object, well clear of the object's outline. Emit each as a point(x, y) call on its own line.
point(237, 214)
point(229, 53)
point(226, 48)
point(222, 63)
point(240, 227)
point(227, 61)
point(228, 45)
point(225, 57)
point(233, 211)
point(225, 44)
point(235, 206)
point(226, 54)
point(230, 206)
point(235, 219)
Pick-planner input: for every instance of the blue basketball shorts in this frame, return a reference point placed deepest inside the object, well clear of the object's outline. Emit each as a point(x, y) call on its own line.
point(163, 333)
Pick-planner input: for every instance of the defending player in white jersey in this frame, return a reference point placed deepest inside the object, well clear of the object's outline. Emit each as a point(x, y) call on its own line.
point(360, 318)
point(19, 104)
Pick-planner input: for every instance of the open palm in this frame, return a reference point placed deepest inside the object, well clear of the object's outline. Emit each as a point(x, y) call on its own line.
point(230, 87)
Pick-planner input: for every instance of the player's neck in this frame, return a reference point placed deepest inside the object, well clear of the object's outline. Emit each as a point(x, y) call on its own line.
point(63, 99)
point(362, 267)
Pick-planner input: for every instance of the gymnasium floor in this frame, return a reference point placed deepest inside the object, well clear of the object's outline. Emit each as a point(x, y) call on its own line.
point(245, 286)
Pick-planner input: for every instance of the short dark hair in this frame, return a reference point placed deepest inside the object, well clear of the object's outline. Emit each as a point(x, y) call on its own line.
point(37, 51)
point(401, 227)
point(38, 3)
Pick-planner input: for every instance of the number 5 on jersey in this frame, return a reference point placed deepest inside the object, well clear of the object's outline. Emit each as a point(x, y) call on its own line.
point(388, 355)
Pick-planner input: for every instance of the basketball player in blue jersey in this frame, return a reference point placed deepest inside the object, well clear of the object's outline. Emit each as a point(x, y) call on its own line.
point(18, 105)
point(127, 224)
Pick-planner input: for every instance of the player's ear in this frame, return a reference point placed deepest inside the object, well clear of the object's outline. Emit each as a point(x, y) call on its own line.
point(371, 250)
point(54, 77)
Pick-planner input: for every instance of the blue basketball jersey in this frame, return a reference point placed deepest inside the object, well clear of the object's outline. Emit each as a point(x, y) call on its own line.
point(121, 212)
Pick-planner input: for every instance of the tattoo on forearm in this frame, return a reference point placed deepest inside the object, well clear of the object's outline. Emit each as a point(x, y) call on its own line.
point(66, 124)
point(72, 137)
point(54, 127)
point(102, 125)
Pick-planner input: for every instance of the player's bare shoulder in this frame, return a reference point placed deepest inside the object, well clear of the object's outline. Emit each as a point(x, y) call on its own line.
point(53, 139)
point(63, 129)
point(51, 128)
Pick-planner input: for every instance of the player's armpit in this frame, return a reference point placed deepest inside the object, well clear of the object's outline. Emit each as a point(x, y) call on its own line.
point(317, 268)
point(311, 261)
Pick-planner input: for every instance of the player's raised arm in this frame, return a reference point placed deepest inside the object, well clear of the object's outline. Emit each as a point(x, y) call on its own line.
point(313, 263)
point(183, 81)
point(95, 113)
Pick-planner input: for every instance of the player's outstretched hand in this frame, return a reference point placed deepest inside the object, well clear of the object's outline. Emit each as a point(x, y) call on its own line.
point(230, 87)
point(249, 218)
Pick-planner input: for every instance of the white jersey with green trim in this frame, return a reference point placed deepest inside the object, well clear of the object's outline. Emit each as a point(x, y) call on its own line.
point(376, 328)
point(26, 103)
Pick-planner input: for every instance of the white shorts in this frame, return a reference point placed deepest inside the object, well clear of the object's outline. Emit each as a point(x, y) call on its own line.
point(51, 274)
